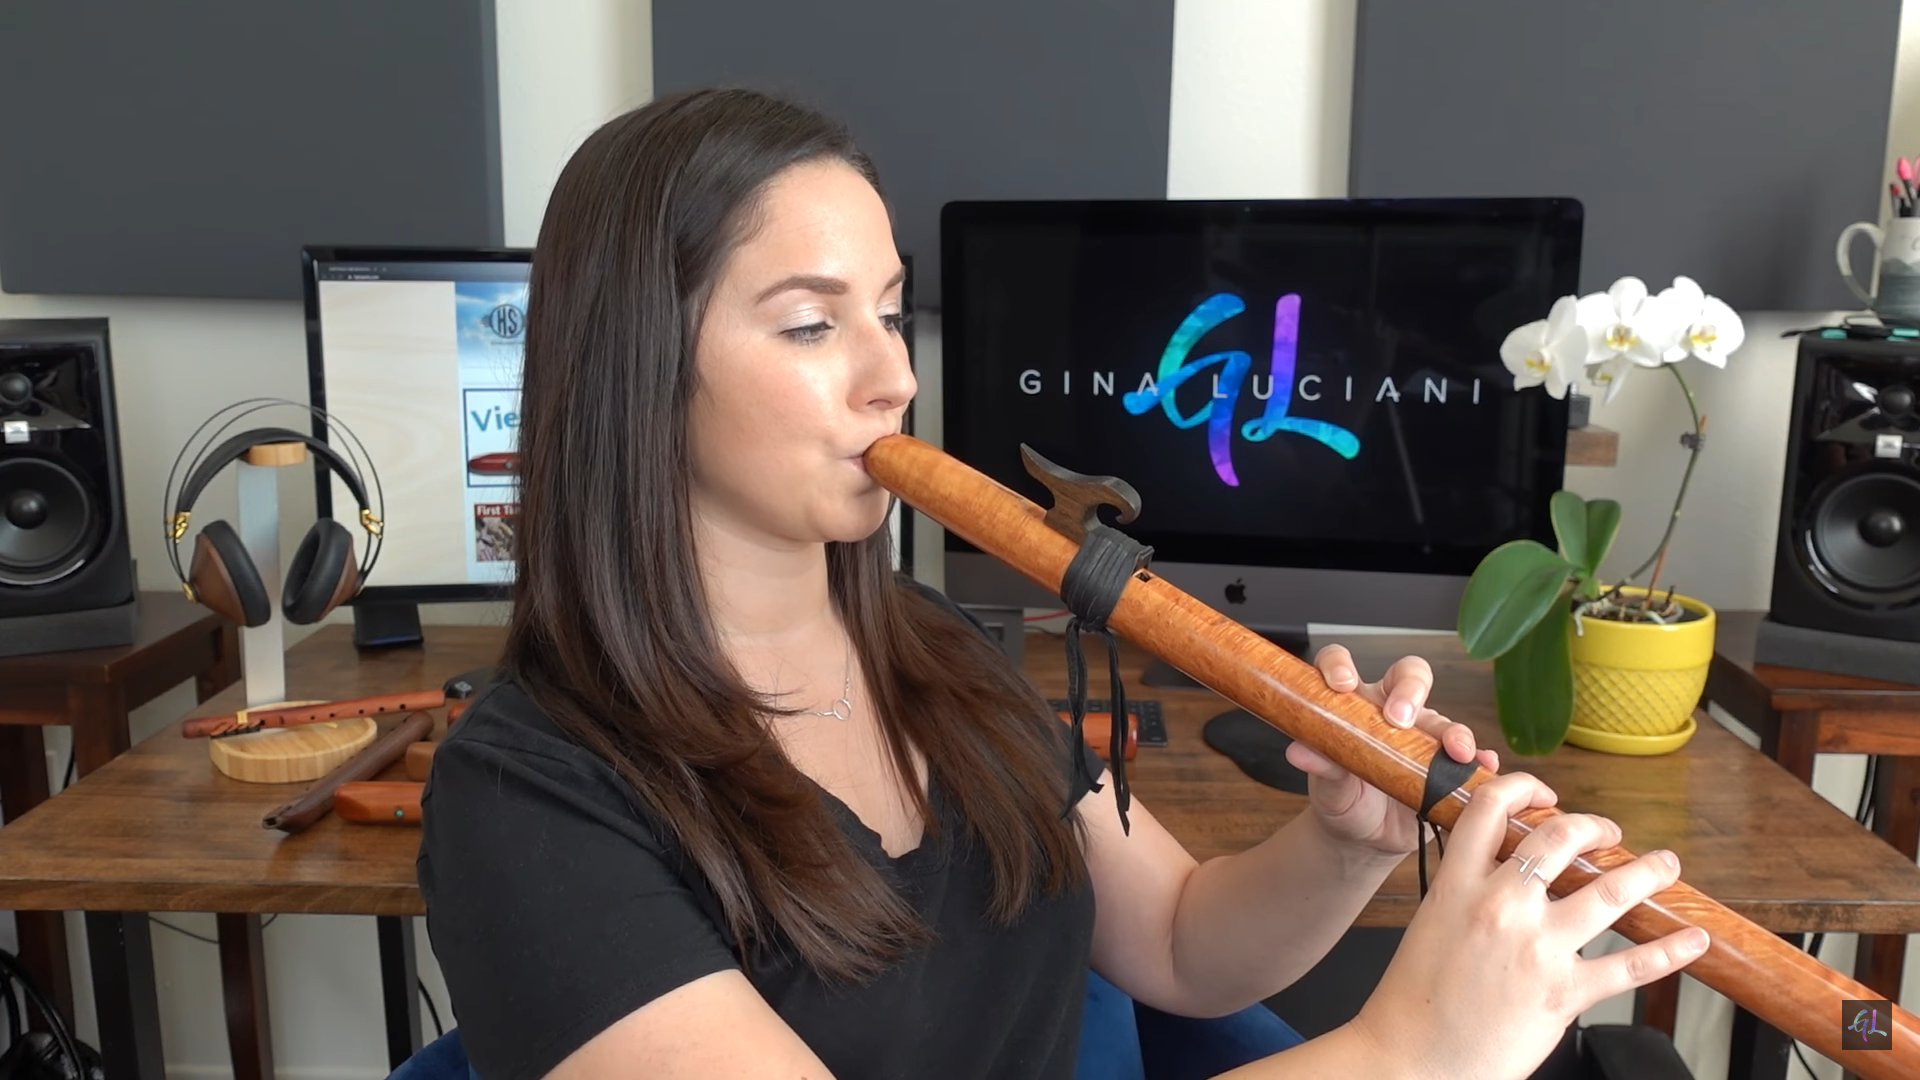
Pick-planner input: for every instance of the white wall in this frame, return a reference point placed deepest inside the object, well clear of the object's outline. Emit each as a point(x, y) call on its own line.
point(1262, 96)
point(565, 66)
point(1903, 123)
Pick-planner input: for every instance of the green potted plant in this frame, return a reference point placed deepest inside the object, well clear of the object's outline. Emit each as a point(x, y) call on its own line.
point(1615, 666)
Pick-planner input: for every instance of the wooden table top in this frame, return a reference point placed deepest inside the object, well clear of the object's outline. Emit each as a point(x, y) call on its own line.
point(162, 618)
point(158, 829)
point(1789, 688)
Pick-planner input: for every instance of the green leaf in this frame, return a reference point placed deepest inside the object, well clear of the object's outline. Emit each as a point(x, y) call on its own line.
point(1569, 512)
point(1603, 524)
point(1585, 529)
point(1533, 686)
point(1509, 591)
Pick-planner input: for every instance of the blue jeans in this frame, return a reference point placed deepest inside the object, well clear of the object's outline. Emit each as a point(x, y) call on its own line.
point(1121, 1039)
point(445, 1058)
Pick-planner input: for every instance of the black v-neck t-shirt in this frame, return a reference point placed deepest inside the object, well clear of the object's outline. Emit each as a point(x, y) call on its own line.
point(556, 908)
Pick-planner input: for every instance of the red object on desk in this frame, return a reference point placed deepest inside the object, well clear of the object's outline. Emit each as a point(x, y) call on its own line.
point(379, 802)
point(1098, 732)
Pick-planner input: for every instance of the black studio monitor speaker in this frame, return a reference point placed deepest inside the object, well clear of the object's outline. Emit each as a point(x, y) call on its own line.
point(1846, 576)
point(66, 575)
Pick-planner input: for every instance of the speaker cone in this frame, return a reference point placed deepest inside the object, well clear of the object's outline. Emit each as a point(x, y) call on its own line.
point(48, 527)
point(1864, 537)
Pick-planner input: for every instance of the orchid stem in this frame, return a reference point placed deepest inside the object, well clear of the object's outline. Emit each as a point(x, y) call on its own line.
point(1658, 559)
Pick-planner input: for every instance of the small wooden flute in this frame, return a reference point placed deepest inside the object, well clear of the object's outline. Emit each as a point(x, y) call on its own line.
point(288, 716)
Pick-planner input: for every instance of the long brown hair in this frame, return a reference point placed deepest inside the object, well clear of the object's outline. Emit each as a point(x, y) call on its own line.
point(610, 630)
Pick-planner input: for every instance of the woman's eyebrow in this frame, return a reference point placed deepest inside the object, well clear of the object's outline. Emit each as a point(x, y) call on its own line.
point(816, 283)
point(819, 283)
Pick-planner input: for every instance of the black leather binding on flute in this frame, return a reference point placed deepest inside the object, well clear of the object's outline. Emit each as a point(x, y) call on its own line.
point(1094, 581)
point(1444, 777)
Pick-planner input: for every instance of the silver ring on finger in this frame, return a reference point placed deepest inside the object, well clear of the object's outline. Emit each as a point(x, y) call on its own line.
point(1529, 866)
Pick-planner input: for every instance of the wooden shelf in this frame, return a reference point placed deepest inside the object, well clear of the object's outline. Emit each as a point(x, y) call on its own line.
point(1594, 446)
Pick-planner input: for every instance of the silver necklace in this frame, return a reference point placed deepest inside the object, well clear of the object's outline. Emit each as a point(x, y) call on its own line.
point(843, 708)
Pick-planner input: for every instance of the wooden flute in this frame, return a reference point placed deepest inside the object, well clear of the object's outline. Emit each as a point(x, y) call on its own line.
point(1782, 985)
point(261, 719)
point(314, 803)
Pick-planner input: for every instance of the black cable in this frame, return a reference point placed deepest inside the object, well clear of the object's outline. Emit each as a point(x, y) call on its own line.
point(184, 932)
point(16, 1023)
point(68, 782)
point(12, 968)
point(432, 1010)
point(426, 996)
point(1862, 813)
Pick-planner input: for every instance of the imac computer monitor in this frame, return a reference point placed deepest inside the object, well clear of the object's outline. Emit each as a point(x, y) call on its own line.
point(1308, 395)
point(418, 353)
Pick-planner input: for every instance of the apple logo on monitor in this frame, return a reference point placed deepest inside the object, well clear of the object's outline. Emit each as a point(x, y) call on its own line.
point(1236, 591)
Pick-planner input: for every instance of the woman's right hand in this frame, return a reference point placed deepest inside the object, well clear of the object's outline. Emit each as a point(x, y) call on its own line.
point(1489, 974)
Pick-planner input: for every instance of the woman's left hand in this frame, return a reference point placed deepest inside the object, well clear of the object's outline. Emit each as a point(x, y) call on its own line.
point(1351, 810)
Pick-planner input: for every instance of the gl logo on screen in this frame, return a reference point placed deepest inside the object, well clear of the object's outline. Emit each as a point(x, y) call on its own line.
point(1175, 369)
point(1279, 388)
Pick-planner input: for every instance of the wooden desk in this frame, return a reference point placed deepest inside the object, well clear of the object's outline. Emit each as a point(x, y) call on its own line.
point(158, 829)
point(1802, 714)
point(161, 830)
point(1768, 848)
point(92, 691)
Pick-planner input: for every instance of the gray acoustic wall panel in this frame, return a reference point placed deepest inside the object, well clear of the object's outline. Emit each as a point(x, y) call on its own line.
point(1729, 140)
point(191, 149)
point(987, 99)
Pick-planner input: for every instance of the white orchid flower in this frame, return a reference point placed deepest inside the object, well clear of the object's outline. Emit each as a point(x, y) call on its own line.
point(1625, 321)
point(1609, 376)
point(1549, 352)
point(1682, 300)
point(1710, 331)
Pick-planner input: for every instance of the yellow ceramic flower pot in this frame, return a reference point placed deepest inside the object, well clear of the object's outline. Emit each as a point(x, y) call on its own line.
point(1636, 685)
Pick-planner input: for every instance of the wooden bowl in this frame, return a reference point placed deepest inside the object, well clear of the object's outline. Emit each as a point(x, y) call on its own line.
point(293, 754)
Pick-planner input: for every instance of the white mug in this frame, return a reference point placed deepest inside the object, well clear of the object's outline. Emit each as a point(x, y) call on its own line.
point(1896, 295)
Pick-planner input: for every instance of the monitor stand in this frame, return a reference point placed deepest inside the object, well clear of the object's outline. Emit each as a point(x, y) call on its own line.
point(1163, 675)
point(385, 624)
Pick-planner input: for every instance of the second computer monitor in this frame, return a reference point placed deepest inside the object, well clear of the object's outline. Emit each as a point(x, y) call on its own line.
point(1308, 395)
point(419, 352)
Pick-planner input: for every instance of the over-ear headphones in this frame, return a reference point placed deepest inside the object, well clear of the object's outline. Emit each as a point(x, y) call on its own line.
point(323, 574)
